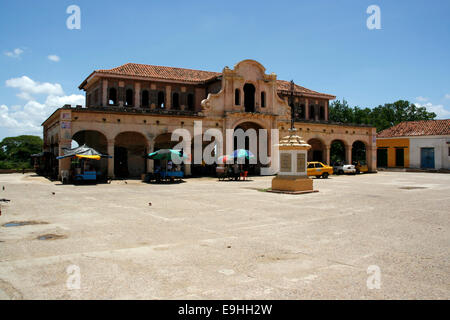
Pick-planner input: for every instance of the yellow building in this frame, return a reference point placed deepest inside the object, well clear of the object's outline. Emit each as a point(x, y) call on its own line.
point(415, 144)
point(393, 152)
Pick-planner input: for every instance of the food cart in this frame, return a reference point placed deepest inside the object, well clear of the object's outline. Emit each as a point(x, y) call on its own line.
point(166, 173)
point(81, 167)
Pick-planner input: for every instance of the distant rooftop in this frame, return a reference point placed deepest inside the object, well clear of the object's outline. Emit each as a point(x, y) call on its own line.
point(417, 128)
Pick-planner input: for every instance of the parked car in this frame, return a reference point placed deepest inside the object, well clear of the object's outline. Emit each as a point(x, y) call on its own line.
point(344, 169)
point(361, 167)
point(318, 169)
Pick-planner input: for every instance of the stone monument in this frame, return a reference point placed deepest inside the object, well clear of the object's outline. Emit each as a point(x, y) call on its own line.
point(292, 176)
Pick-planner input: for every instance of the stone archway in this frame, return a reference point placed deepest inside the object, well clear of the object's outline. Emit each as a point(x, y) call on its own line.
point(359, 152)
point(130, 149)
point(252, 146)
point(337, 152)
point(93, 138)
point(163, 141)
point(97, 140)
point(317, 151)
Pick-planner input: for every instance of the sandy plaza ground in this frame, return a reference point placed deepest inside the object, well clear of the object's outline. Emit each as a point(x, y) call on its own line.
point(205, 239)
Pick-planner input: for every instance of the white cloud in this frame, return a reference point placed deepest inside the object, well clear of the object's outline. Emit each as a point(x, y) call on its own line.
point(27, 118)
point(16, 53)
point(422, 99)
point(59, 101)
point(439, 109)
point(24, 96)
point(28, 86)
point(54, 58)
point(18, 122)
point(447, 96)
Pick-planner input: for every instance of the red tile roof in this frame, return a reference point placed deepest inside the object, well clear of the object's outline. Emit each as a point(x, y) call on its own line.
point(286, 86)
point(187, 75)
point(417, 128)
point(160, 72)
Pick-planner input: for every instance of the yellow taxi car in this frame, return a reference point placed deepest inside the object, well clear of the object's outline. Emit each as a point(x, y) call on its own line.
point(318, 169)
point(361, 167)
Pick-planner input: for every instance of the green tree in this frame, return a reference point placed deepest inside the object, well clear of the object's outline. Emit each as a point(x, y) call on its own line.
point(381, 117)
point(340, 112)
point(15, 152)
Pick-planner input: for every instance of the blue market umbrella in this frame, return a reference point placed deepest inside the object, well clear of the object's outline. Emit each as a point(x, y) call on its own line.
point(242, 153)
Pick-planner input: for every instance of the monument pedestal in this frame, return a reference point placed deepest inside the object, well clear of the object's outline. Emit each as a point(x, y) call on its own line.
point(292, 184)
point(293, 177)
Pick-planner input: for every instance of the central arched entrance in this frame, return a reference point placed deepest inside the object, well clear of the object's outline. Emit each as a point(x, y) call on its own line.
point(129, 151)
point(249, 97)
point(249, 129)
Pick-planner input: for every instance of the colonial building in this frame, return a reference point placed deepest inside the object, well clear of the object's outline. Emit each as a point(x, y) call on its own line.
point(415, 144)
point(133, 109)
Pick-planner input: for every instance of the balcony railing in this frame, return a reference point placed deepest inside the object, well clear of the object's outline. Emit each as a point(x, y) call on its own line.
point(133, 110)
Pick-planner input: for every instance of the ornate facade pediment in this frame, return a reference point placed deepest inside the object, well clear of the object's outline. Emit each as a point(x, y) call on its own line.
point(246, 89)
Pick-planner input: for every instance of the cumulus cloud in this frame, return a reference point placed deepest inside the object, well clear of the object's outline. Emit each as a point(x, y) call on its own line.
point(27, 118)
point(439, 109)
point(21, 121)
point(24, 96)
point(59, 101)
point(28, 87)
point(16, 53)
point(422, 99)
point(54, 58)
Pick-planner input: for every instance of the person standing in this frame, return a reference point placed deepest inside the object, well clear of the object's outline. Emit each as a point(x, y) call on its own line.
point(236, 171)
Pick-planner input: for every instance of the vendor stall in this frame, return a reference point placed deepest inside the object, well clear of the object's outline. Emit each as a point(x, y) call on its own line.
point(167, 171)
point(82, 167)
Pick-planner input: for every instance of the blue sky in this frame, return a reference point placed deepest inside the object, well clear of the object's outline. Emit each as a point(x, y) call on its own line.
point(323, 45)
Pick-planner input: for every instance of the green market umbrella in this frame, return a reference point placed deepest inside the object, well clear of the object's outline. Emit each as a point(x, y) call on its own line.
point(166, 154)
